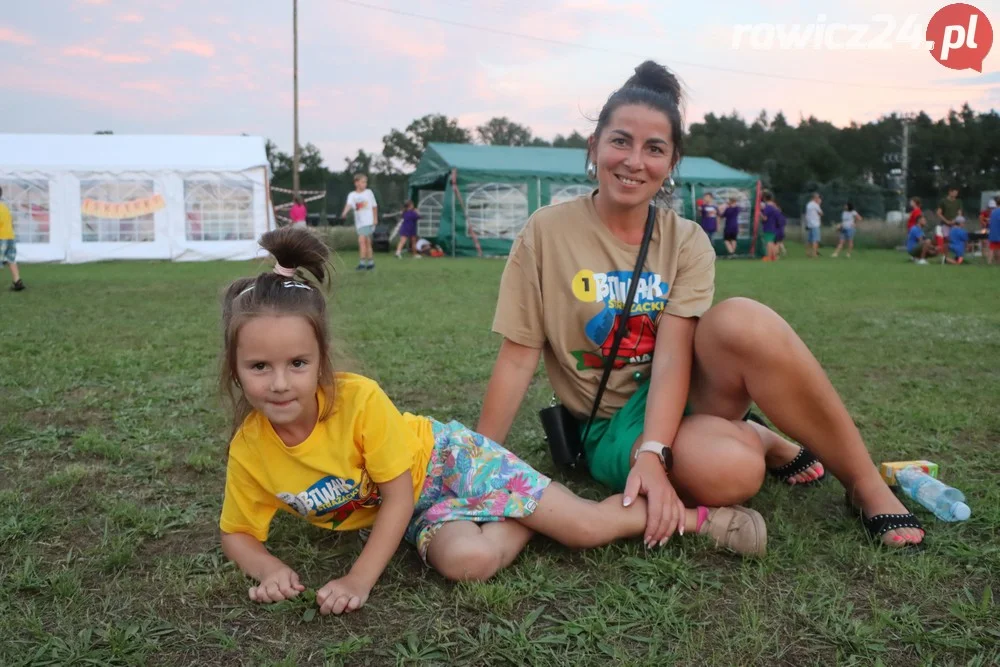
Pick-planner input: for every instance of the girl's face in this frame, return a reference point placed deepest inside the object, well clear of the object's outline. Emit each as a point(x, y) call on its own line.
point(633, 155)
point(277, 363)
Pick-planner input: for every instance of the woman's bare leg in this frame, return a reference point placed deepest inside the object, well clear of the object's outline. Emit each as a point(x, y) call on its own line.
point(717, 462)
point(745, 352)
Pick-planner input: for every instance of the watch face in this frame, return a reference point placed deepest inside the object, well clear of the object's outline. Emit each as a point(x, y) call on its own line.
point(668, 458)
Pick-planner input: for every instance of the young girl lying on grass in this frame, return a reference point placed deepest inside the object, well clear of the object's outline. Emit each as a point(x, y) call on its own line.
point(332, 448)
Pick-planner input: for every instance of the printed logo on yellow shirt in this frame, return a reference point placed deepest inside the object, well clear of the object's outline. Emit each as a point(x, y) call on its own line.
point(333, 498)
point(611, 289)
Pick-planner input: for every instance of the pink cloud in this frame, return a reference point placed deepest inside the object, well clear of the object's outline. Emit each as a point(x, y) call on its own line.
point(95, 2)
point(81, 52)
point(156, 87)
point(239, 81)
point(13, 37)
point(125, 59)
point(113, 58)
point(46, 82)
point(557, 26)
point(635, 9)
point(197, 47)
point(129, 18)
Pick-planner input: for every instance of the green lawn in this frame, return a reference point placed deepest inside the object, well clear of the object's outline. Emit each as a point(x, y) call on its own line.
point(111, 476)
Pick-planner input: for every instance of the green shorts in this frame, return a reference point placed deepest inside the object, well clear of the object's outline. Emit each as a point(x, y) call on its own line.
point(608, 448)
point(768, 237)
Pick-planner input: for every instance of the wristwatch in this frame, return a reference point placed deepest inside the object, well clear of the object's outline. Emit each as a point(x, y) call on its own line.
point(665, 453)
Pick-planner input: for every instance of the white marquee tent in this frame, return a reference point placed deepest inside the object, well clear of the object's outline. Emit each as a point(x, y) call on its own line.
point(82, 198)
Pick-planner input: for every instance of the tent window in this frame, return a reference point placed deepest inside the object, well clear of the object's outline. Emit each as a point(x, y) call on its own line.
point(722, 195)
point(431, 203)
point(568, 192)
point(497, 210)
point(28, 201)
point(117, 226)
point(218, 210)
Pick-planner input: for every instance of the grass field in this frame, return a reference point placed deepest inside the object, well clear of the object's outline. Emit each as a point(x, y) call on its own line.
point(111, 475)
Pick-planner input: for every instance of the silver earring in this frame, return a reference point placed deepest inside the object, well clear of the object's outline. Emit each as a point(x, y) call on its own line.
point(668, 187)
point(591, 170)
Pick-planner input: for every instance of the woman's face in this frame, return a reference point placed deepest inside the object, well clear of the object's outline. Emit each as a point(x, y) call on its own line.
point(634, 155)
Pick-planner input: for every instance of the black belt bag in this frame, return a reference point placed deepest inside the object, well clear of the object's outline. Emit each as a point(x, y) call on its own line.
point(562, 429)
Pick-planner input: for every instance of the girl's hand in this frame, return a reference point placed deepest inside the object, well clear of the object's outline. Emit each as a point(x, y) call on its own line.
point(664, 510)
point(280, 584)
point(346, 594)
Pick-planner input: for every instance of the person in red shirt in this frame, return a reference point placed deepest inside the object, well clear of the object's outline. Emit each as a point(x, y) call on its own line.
point(915, 213)
point(984, 215)
point(984, 226)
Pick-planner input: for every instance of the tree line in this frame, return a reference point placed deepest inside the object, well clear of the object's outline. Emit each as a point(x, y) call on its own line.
point(863, 160)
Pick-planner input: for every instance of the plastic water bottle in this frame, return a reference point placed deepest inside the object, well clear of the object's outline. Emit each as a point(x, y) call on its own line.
point(947, 503)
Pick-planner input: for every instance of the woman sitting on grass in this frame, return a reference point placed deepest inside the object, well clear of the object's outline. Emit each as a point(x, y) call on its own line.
point(671, 424)
point(332, 448)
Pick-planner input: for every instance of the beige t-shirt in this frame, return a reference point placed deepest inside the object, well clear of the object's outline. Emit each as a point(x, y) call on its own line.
point(565, 285)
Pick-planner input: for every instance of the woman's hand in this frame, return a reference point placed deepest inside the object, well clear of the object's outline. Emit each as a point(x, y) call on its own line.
point(664, 510)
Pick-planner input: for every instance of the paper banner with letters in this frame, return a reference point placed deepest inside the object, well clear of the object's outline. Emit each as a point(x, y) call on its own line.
point(134, 208)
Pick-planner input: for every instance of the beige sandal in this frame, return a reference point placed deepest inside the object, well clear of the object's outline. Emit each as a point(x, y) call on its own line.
point(735, 528)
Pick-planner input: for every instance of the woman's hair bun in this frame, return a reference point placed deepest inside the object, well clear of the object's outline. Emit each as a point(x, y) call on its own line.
point(655, 77)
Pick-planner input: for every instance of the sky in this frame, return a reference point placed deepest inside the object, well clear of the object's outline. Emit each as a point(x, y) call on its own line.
point(367, 66)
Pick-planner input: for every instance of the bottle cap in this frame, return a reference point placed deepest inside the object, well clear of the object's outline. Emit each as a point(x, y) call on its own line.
point(961, 511)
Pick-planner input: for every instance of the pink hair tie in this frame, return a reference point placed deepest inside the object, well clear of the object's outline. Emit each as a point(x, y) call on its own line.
point(284, 271)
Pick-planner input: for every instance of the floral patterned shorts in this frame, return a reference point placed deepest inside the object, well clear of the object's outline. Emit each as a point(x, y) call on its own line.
point(471, 478)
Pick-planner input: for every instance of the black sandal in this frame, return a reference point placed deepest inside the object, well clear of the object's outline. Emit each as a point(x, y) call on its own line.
point(880, 524)
point(800, 463)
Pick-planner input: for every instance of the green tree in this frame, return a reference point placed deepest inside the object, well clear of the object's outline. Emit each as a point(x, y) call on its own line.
point(406, 147)
point(503, 131)
point(359, 164)
point(281, 163)
point(574, 140)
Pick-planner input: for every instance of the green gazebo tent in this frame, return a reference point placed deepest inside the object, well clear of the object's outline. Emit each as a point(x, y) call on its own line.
point(474, 199)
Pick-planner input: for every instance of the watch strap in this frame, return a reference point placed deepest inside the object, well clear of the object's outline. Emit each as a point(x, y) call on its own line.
point(653, 446)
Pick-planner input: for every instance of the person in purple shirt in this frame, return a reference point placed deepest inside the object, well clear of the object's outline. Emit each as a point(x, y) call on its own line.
point(769, 226)
point(779, 235)
point(731, 226)
point(994, 248)
point(408, 229)
point(709, 215)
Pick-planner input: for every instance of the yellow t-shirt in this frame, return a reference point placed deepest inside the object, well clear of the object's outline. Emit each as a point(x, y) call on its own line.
point(331, 478)
point(565, 285)
point(6, 223)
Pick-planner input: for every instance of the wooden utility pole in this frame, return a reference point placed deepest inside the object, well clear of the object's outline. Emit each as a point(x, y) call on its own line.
point(295, 96)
